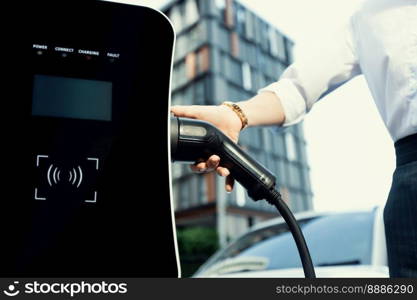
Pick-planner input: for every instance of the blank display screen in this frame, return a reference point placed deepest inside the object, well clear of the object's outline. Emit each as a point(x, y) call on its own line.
point(65, 97)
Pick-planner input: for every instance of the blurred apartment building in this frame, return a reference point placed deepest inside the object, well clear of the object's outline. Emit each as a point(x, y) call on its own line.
point(226, 52)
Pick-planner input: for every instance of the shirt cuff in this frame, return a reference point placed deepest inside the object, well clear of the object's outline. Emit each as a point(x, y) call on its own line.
point(292, 102)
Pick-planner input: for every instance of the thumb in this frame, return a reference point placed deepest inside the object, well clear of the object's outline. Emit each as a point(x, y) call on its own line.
point(187, 111)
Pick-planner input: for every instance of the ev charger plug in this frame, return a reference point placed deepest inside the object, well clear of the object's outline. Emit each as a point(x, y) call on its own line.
point(193, 140)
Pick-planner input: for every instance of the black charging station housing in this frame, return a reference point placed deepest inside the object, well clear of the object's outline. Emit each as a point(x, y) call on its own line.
point(85, 185)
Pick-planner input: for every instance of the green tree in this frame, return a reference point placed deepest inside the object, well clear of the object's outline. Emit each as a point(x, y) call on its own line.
point(195, 245)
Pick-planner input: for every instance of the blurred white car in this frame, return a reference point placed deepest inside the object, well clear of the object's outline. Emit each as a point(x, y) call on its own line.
point(342, 244)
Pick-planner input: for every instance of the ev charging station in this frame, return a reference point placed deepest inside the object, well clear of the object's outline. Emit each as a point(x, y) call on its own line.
point(86, 190)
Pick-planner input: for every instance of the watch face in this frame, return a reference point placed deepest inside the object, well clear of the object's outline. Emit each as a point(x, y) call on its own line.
point(86, 116)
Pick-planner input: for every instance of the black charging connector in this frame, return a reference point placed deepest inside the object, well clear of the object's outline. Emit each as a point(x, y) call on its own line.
point(193, 140)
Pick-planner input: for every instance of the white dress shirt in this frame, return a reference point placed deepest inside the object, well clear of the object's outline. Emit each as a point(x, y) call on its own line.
point(379, 42)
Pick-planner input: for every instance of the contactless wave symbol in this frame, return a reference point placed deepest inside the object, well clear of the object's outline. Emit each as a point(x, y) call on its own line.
point(11, 290)
point(75, 175)
point(68, 175)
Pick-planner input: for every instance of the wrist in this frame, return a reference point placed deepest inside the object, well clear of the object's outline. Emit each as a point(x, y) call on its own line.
point(232, 118)
point(239, 113)
point(246, 109)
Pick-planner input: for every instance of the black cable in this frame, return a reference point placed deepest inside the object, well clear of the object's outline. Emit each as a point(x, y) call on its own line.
point(276, 200)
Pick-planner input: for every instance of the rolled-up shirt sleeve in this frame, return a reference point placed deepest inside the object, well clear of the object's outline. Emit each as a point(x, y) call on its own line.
point(315, 74)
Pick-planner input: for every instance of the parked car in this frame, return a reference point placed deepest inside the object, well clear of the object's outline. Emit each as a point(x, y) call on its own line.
point(342, 244)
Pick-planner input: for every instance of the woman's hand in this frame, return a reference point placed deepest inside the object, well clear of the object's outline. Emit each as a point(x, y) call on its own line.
point(264, 109)
point(223, 118)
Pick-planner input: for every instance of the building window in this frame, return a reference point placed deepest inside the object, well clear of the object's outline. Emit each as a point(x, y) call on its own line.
point(246, 76)
point(175, 197)
point(203, 59)
point(184, 194)
point(295, 202)
point(234, 44)
point(191, 12)
point(196, 36)
point(222, 40)
point(187, 95)
point(221, 4)
point(179, 76)
point(290, 53)
point(197, 62)
point(306, 180)
point(281, 46)
point(273, 43)
point(176, 18)
point(286, 196)
point(233, 73)
point(228, 13)
point(180, 47)
point(199, 92)
point(264, 36)
point(257, 30)
point(260, 59)
point(250, 54)
point(201, 190)
point(240, 195)
point(290, 147)
point(240, 20)
point(210, 183)
point(261, 81)
point(193, 191)
point(294, 175)
point(249, 25)
point(267, 139)
point(191, 65)
point(280, 171)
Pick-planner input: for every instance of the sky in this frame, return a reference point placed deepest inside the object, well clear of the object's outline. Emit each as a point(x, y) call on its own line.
point(350, 152)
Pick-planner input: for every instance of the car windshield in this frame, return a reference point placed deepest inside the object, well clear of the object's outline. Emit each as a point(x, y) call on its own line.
point(337, 239)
